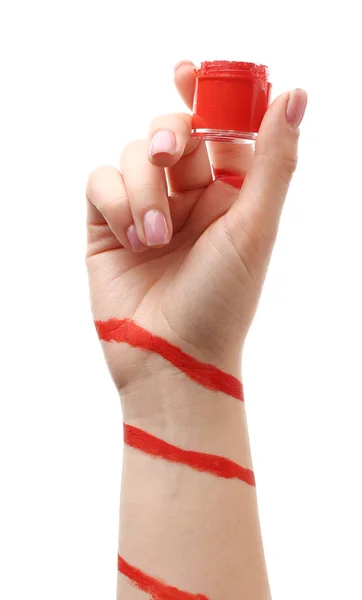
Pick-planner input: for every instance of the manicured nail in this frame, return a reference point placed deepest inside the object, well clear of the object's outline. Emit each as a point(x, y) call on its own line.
point(163, 142)
point(296, 107)
point(156, 230)
point(134, 240)
point(182, 63)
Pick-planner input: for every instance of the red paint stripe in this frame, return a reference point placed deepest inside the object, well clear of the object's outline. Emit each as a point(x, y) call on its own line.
point(206, 463)
point(210, 377)
point(234, 179)
point(156, 588)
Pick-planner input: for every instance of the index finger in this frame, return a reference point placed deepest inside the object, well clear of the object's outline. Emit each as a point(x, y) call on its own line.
point(185, 81)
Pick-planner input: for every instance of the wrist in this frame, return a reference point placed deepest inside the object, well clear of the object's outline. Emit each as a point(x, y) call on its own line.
point(171, 407)
point(154, 377)
point(139, 356)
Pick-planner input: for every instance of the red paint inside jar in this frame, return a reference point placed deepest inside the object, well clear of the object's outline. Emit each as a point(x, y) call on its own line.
point(230, 97)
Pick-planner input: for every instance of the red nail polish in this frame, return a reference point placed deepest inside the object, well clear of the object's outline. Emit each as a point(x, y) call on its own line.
point(231, 99)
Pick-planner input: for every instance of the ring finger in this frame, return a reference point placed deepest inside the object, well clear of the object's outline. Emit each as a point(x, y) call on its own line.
point(109, 211)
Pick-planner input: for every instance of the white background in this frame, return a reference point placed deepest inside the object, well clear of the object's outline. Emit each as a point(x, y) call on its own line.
point(80, 79)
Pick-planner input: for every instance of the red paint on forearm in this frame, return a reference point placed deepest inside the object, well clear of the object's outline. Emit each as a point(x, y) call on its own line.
point(210, 377)
point(229, 177)
point(206, 463)
point(155, 587)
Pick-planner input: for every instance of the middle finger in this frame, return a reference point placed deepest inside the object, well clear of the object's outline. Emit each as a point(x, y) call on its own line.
point(147, 192)
point(185, 158)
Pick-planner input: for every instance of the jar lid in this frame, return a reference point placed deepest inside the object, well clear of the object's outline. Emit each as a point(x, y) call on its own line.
point(232, 68)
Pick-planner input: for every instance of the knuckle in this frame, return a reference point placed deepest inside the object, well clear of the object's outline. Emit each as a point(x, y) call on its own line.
point(244, 244)
point(174, 121)
point(284, 164)
point(105, 191)
point(253, 239)
point(94, 183)
point(149, 191)
point(131, 148)
point(158, 123)
point(114, 209)
point(288, 165)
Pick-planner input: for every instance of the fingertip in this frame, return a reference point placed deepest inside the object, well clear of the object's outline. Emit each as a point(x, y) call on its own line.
point(278, 105)
point(289, 108)
point(168, 138)
point(163, 160)
point(135, 243)
point(157, 228)
point(183, 63)
point(185, 81)
point(162, 148)
point(100, 179)
point(295, 110)
point(275, 124)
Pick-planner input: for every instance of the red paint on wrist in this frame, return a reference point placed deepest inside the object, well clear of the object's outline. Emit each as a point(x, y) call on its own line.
point(155, 587)
point(210, 377)
point(206, 463)
point(228, 177)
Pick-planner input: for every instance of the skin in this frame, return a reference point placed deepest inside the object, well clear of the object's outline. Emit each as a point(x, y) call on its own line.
point(199, 290)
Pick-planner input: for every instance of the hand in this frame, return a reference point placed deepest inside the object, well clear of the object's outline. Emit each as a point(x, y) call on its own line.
point(181, 254)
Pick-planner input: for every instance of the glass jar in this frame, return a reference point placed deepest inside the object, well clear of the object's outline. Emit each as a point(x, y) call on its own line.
point(230, 100)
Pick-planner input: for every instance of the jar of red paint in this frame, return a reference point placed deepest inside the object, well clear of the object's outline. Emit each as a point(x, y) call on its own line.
point(231, 99)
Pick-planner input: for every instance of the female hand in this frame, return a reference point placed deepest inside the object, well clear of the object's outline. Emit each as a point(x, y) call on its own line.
point(180, 254)
point(176, 263)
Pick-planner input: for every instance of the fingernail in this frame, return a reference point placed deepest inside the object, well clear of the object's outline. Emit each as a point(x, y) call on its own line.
point(134, 240)
point(182, 63)
point(296, 107)
point(156, 230)
point(163, 142)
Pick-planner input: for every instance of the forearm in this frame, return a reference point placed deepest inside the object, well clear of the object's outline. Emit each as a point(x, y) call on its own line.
point(188, 520)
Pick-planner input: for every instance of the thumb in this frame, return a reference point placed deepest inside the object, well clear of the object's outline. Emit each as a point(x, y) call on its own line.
point(257, 210)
